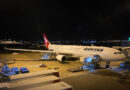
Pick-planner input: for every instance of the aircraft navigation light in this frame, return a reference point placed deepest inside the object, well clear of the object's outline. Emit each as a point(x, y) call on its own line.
point(129, 39)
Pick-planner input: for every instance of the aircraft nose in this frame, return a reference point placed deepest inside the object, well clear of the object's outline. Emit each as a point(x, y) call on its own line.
point(121, 57)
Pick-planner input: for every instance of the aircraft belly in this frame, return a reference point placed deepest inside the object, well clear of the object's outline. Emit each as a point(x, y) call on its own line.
point(72, 53)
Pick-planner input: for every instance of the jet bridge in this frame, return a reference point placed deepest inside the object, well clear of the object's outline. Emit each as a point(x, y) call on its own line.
point(92, 62)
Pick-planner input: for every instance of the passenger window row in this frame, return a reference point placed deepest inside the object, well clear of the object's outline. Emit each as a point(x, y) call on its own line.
point(93, 49)
point(117, 53)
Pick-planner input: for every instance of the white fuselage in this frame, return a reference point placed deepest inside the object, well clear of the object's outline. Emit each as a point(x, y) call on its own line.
point(106, 53)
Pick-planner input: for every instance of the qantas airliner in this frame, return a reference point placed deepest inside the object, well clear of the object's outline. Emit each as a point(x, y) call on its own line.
point(62, 51)
point(106, 53)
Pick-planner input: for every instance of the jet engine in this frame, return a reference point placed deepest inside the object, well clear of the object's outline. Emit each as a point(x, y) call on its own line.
point(61, 58)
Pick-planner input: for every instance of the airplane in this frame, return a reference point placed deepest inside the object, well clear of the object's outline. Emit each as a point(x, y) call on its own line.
point(61, 52)
point(121, 47)
point(125, 50)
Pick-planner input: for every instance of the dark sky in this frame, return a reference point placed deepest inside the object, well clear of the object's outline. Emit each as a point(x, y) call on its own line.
point(64, 20)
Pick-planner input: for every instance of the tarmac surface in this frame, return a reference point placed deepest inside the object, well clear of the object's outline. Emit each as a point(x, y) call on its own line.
point(101, 79)
point(97, 82)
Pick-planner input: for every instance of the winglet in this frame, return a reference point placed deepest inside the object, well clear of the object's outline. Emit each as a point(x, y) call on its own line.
point(46, 42)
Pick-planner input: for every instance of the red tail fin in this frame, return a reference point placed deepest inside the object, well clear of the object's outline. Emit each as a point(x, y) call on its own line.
point(46, 42)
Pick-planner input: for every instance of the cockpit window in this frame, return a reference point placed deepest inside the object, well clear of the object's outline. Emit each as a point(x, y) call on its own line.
point(117, 53)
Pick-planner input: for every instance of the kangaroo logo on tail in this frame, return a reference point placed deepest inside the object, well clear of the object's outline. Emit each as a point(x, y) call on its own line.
point(46, 42)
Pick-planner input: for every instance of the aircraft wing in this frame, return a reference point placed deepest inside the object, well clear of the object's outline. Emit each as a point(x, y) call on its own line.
point(68, 55)
point(29, 50)
point(42, 51)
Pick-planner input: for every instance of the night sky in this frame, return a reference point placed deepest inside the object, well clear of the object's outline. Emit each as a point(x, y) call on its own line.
point(64, 20)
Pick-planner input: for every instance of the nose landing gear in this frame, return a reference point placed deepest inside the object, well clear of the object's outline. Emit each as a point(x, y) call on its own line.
point(107, 64)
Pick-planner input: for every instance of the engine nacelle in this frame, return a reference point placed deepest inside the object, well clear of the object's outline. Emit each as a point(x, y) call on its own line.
point(61, 58)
